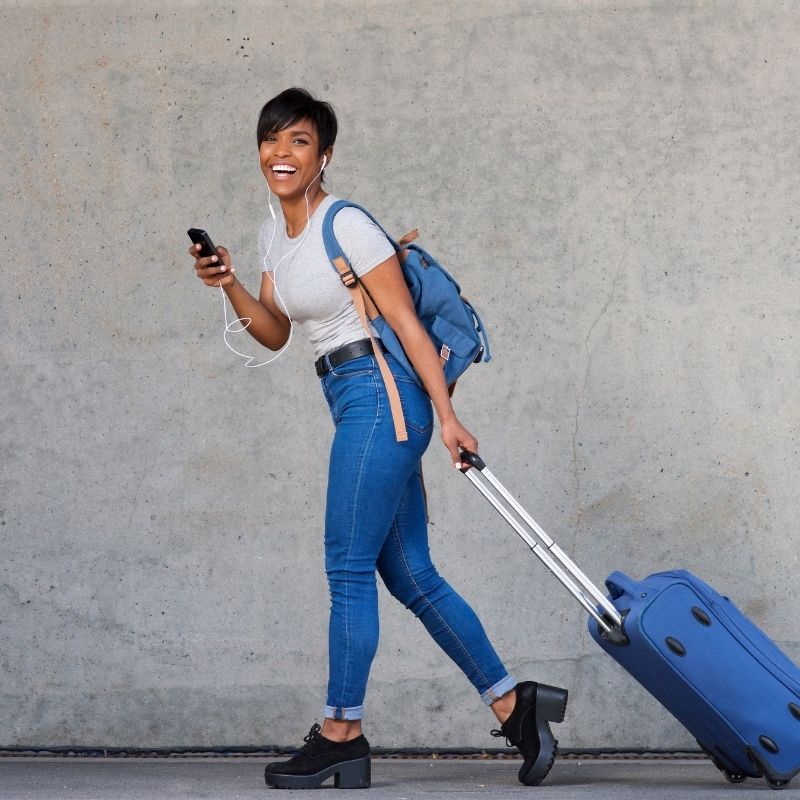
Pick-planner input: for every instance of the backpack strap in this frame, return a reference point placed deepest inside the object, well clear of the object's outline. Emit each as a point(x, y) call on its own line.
point(351, 281)
point(332, 246)
point(411, 236)
point(487, 353)
point(405, 240)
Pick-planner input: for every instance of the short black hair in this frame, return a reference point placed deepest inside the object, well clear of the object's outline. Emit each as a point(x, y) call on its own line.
point(292, 105)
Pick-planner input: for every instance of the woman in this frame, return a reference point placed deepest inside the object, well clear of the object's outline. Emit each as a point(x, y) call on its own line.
point(375, 513)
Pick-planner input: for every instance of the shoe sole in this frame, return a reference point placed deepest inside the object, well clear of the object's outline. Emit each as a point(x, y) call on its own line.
point(551, 706)
point(355, 774)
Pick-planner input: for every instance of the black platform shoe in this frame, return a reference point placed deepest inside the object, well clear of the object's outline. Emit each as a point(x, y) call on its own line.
point(318, 759)
point(528, 728)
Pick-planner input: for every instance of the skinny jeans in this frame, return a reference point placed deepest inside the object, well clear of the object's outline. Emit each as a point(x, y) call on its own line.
point(376, 521)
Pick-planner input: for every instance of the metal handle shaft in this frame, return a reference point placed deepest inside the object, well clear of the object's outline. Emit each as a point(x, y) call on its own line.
point(554, 558)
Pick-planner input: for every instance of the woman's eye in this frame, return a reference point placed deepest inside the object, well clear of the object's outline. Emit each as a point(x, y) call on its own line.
point(300, 141)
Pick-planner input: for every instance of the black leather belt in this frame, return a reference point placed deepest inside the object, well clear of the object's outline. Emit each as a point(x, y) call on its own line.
point(363, 347)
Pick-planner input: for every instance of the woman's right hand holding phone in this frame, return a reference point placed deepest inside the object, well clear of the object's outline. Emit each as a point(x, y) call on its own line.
point(210, 270)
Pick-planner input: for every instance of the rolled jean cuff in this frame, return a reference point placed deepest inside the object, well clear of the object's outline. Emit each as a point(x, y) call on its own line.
point(337, 712)
point(499, 689)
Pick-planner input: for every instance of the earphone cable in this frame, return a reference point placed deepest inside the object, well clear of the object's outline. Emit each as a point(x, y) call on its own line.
point(244, 322)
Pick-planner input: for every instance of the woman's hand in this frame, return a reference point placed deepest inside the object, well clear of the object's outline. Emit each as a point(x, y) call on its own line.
point(455, 435)
point(210, 271)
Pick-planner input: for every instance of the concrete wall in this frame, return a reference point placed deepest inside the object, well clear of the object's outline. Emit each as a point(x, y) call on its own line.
point(617, 186)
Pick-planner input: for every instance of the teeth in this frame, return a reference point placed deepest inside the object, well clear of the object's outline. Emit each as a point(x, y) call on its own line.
point(284, 168)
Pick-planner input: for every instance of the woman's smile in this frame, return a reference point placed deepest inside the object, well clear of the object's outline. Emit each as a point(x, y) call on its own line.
point(282, 171)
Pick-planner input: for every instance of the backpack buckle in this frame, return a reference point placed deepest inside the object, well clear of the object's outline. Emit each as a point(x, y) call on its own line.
point(349, 278)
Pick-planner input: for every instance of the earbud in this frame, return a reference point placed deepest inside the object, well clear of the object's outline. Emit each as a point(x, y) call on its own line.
point(324, 161)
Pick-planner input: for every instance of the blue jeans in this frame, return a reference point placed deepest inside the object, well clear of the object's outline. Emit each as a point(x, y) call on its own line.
point(375, 519)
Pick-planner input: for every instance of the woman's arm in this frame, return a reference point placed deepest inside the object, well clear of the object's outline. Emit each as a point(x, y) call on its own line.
point(388, 289)
point(268, 324)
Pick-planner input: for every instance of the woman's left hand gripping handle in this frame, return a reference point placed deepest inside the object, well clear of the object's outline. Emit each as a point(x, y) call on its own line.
point(470, 459)
point(456, 438)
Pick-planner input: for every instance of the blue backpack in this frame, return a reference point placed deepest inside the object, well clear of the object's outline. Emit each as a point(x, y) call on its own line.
point(450, 320)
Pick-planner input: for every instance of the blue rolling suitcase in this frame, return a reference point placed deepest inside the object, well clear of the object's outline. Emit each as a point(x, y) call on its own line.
point(690, 647)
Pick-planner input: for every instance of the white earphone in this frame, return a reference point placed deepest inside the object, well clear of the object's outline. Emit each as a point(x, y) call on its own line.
point(244, 322)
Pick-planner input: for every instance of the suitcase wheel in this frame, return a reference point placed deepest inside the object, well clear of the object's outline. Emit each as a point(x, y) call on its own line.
point(734, 777)
point(730, 776)
point(773, 781)
point(775, 784)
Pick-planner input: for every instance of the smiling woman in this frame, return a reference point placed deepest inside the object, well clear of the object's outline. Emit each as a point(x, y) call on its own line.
point(375, 518)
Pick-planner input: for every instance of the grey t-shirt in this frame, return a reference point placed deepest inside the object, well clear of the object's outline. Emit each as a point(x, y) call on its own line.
point(307, 283)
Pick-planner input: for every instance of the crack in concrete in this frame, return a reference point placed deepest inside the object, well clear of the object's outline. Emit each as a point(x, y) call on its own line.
point(679, 121)
point(579, 398)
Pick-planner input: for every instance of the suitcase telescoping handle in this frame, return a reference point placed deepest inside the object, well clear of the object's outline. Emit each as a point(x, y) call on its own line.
point(553, 557)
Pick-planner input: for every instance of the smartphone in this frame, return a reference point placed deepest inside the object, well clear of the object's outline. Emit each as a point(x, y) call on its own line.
point(202, 238)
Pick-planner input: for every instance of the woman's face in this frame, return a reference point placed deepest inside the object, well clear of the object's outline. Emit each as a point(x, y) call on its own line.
point(290, 159)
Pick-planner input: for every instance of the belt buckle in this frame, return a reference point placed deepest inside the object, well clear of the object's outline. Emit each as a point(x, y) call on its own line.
point(323, 365)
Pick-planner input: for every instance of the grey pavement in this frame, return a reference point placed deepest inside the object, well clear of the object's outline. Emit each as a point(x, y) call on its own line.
point(23, 778)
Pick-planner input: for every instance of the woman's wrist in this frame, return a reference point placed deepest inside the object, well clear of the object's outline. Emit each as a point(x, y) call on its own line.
point(233, 285)
point(448, 416)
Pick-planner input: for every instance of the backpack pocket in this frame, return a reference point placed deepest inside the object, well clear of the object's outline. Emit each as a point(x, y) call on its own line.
point(445, 333)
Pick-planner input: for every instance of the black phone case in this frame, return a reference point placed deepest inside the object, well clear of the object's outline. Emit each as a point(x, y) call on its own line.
point(199, 236)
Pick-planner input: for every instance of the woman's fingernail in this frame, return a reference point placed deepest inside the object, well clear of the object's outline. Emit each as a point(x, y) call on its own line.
point(222, 268)
point(456, 466)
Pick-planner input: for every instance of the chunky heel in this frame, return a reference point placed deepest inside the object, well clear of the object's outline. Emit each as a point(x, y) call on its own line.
point(528, 728)
point(551, 706)
point(355, 774)
point(320, 759)
point(551, 703)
